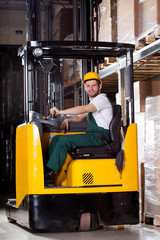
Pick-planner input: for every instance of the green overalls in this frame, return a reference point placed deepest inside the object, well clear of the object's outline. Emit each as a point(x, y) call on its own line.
point(61, 144)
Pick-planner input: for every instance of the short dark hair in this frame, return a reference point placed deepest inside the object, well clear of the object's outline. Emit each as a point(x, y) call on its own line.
point(91, 80)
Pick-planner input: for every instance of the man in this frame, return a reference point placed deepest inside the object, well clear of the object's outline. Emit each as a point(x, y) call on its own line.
point(98, 112)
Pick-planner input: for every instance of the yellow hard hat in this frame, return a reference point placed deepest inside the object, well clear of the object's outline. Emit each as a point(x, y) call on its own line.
point(91, 76)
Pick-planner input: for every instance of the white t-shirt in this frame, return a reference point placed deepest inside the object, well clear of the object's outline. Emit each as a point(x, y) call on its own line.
point(104, 112)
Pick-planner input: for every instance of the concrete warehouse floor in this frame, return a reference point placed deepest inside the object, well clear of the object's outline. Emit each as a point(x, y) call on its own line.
point(11, 231)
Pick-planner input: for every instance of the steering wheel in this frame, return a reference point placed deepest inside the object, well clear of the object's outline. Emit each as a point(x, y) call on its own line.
point(52, 116)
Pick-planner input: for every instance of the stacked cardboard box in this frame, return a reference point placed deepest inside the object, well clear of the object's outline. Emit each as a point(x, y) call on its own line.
point(12, 27)
point(149, 16)
point(152, 157)
point(138, 20)
point(145, 108)
point(108, 21)
point(141, 90)
point(128, 21)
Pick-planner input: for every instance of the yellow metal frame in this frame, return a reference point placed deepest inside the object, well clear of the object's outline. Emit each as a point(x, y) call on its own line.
point(30, 171)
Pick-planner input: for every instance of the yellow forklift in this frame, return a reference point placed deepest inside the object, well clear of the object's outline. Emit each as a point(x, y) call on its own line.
point(97, 186)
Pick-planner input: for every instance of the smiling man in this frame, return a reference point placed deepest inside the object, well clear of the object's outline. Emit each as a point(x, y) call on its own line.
point(98, 112)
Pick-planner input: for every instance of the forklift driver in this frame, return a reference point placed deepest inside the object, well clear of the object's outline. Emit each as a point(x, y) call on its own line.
point(98, 112)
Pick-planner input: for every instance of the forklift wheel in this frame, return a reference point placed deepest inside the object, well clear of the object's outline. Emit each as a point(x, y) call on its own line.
point(85, 222)
point(10, 220)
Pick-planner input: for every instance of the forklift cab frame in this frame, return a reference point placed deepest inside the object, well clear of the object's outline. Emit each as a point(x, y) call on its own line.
point(93, 52)
point(109, 198)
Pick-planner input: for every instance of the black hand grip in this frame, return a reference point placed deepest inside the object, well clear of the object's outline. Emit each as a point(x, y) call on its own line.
point(54, 114)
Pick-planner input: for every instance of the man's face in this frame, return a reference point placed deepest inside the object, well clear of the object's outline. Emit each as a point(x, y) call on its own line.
point(92, 88)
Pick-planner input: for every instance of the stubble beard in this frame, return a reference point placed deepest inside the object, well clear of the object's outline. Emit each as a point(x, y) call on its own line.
point(95, 95)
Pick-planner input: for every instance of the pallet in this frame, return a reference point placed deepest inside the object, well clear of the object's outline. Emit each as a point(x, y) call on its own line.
point(148, 37)
point(151, 220)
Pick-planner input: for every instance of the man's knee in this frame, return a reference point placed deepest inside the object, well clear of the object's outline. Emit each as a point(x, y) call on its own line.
point(65, 141)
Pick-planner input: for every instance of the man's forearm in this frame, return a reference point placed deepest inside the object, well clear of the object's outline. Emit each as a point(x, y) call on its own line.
point(78, 118)
point(74, 119)
point(74, 111)
point(79, 110)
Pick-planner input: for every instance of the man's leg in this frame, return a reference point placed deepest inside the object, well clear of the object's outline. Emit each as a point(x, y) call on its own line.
point(67, 143)
point(49, 173)
point(51, 147)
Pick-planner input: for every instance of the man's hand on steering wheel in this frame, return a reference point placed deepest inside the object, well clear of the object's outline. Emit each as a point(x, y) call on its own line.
point(55, 111)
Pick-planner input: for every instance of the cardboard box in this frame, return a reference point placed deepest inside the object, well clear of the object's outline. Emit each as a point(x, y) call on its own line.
point(152, 191)
point(149, 15)
point(108, 21)
point(128, 25)
point(138, 20)
point(152, 108)
point(13, 26)
point(152, 142)
point(68, 103)
point(155, 88)
point(152, 208)
point(142, 89)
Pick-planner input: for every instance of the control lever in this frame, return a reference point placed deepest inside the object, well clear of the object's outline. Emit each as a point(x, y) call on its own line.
point(53, 115)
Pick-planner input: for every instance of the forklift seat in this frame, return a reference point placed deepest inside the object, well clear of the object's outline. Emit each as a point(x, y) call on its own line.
point(109, 150)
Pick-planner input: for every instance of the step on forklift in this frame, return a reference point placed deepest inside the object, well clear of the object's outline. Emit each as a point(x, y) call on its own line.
point(96, 186)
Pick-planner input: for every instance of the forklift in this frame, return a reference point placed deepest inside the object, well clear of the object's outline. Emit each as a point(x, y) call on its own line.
point(96, 186)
